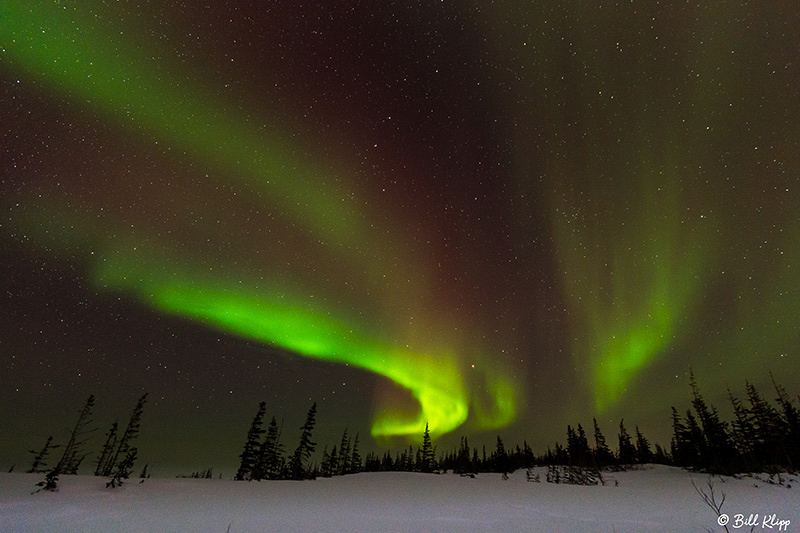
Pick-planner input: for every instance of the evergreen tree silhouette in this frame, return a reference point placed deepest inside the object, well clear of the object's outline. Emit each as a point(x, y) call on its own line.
point(680, 445)
point(325, 465)
point(602, 453)
point(125, 456)
point(791, 417)
point(355, 459)
point(697, 441)
point(297, 464)
point(627, 451)
point(559, 455)
point(643, 452)
point(661, 456)
point(572, 445)
point(501, 462)
point(71, 458)
point(770, 429)
point(270, 454)
point(427, 452)
point(528, 457)
point(386, 462)
point(344, 455)
point(107, 453)
point(39, 465)
point(334, 462)
point(251, 446)
point(76, 446)
point(719, 453)
point(743, 432)
point(578, 447)
point(463, 459)
point(123, 468)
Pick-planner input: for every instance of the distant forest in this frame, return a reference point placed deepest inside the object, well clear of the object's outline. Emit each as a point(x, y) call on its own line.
point(763, 436)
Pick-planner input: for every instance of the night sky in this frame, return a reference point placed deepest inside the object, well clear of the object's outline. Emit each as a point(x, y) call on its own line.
point(494, 217)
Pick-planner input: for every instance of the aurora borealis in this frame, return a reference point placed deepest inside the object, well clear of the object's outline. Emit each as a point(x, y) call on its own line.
point(488, 218)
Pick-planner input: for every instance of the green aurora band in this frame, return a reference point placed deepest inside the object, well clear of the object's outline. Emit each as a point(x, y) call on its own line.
point(97, 68)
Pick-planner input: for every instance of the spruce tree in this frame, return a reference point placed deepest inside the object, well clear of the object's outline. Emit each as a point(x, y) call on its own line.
point(121, 465)
point(107, 453)
point(325, 465)
point(583, 451)
point(720, 454)
point(770, 429)
point(643, 452)
point(627, 451)
point(251, 446)
point(355, 458)
point(572, 445)
point(602, 453)
point(297, 464)
point(386, 462)
point(463, 459)
point(560, 456)
point(123, 468)
point(39, 465)
point(269, 454)
point(334, 462)
point(680, 445)
point(344, 455)
point(743, 433)
point(698, 447)
point(501, 462)
point(660, 456)
point(528, 457)
point(73, 451)
point(427, 453)
point(791, 418)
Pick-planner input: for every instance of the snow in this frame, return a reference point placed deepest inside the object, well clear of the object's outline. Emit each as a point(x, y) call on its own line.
point(657, 498)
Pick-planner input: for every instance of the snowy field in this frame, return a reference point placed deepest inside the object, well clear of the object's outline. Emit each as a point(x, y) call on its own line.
point(658, 498)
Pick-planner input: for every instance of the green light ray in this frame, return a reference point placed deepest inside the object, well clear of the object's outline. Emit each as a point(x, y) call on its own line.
point(632, 278)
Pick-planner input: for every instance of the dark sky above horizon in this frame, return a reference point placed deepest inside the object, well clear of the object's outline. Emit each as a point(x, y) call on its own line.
point(494, 217)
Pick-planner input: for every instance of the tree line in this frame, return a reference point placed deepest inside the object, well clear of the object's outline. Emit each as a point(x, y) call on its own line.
point(761, 437)
point(264, 457)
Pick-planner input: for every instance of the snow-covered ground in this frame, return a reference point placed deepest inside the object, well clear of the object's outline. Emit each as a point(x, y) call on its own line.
point(658, 498)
